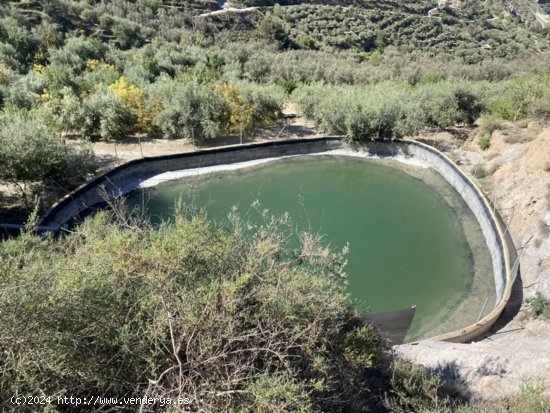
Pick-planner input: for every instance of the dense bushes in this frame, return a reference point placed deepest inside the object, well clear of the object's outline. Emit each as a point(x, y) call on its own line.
point(520, 97)
point(181, 79)
point(389, 110)
point(235, 321)
point(112, 69)
point(31, 151)
point(190, 109)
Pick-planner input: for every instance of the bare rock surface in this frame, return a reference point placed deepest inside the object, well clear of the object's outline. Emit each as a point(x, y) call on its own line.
point(493, 368)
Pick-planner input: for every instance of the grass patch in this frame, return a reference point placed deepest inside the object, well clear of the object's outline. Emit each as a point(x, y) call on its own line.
point(484, 143)
point(531, 399)
point(540, 307)
point(479, 171)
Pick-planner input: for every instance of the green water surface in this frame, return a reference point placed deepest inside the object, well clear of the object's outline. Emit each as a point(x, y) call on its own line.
point(406, 246)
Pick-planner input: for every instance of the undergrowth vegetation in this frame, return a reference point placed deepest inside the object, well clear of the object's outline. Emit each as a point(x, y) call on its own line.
point(235, 320)
point(540, 307)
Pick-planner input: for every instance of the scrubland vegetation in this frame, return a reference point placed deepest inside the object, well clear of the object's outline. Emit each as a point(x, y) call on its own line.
point(78, 71)
point(238, 321)
point(233, 319)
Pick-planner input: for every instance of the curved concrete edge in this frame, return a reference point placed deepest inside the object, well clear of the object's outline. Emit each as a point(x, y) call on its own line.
point(499, 241)
point(127, 177)
point(502, 249)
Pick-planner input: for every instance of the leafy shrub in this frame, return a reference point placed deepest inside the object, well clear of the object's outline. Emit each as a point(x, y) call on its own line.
point(25, 91)
point(517, 100)
point(357, 114)
point(10, 57)
point(541, 108)
point(189, 109)
point(540, 307)
point(249, 104)
point(18, 43)
point(233, 320)
point(106, 115)
point(57, 78)
point(414, 389)
point(388, 110)
point(446, 104)
point(76, 51)
point(31, 151)
point(99, 74)
point(134, 102)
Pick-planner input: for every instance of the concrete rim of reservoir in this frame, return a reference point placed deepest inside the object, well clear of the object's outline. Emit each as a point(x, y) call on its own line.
point(135, 174)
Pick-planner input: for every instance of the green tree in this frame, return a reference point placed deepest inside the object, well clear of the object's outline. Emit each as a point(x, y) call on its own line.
point(191, 110)
point(31, 151)
point(518, 99)
point(106, 115)
point(240, 113)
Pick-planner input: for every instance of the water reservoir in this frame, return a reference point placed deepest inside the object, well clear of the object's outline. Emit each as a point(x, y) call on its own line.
point(412, 239)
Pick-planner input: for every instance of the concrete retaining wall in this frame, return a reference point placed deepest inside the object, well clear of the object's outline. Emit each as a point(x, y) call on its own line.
point(127, 178)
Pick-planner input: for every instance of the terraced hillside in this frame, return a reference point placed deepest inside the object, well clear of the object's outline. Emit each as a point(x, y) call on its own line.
point(526, 10)
point(465, 30)
point(442, 31)
point(388, 5)
point(529, 12)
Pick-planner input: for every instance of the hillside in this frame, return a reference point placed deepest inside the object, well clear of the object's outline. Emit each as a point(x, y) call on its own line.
point(475, 31)
point(466, 29)
point(106, 70)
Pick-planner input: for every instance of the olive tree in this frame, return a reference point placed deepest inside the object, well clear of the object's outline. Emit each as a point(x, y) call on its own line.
point(31, 151)
point(191, 110)
point(106, 115)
